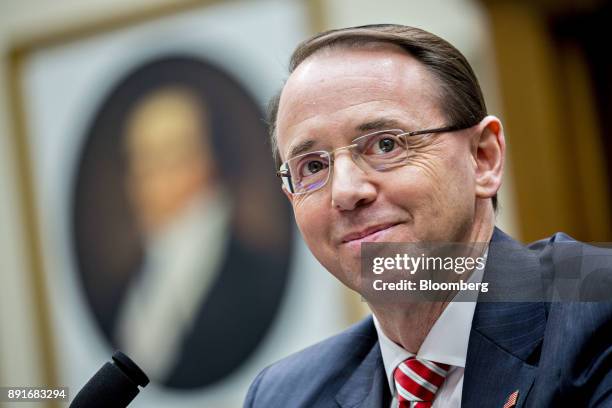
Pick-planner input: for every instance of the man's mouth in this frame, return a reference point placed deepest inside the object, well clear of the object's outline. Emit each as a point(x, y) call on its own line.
point(368, 234)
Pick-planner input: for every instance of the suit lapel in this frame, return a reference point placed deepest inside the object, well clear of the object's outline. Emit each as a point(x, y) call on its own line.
point(493, 374)
point(368, 386)
point(504, 343)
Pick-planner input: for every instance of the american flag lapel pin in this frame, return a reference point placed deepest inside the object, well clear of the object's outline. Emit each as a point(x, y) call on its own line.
point(512, 399)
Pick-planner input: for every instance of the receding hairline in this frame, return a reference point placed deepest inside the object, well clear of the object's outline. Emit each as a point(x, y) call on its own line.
point(357, 37)
point(348, 45)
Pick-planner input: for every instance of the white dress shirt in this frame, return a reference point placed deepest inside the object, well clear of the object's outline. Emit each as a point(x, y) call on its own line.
point(446, 342)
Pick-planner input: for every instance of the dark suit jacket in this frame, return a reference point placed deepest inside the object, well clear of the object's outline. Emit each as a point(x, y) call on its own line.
point(555, 354)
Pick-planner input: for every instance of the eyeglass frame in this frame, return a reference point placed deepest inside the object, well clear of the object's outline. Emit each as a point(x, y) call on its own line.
point(280, 173)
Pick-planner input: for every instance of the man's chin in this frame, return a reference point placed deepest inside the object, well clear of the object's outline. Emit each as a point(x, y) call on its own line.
point(348, 272)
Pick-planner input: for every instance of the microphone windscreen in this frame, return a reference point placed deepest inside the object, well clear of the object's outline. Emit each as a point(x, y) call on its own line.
point(114, 385)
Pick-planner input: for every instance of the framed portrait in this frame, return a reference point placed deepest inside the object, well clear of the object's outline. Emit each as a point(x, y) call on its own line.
point(163, 230)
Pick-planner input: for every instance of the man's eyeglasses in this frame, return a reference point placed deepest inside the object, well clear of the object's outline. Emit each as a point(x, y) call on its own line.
point(381, 150)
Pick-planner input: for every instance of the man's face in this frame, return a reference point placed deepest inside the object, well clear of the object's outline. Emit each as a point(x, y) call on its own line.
point(169, 163)
point(335, 96)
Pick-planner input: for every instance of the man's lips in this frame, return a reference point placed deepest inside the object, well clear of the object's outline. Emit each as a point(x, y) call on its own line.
point(367, 232)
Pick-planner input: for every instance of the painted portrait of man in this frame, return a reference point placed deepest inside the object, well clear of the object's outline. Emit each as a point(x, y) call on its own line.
point(171, 258)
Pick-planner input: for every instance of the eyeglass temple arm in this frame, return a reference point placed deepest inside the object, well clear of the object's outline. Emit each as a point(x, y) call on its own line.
point(451, 128)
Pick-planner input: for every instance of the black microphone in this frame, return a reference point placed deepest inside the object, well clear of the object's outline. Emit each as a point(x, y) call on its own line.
point(114, 385)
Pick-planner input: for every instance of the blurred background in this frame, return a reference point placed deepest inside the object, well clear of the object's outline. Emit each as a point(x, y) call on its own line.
point(133, 132)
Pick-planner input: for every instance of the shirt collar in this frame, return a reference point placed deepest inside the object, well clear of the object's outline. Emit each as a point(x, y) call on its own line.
point(438, 346)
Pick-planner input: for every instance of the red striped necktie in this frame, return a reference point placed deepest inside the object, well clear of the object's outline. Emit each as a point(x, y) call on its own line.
point(417, 380)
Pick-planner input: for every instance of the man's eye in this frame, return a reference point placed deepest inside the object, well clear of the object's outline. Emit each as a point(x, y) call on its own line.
point(386, 145)
point(311, 167)
point(382, 145)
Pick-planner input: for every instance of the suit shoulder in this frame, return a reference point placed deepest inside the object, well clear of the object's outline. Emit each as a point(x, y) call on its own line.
point(333, 349)
point(578, 322)
point(315, 369)
point(575, 270)
point(560, 241)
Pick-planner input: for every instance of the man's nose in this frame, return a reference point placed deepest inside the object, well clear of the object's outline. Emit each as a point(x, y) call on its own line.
point(350, 185)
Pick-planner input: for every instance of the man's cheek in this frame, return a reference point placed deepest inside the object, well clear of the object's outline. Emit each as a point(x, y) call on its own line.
point(426, 168)
point(313, 232)
point(309, 227)
point(305, 203)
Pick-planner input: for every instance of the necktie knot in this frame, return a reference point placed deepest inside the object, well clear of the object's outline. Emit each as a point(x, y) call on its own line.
point(417, 381)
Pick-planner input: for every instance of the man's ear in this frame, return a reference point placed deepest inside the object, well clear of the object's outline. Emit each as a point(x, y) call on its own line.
point(489, 148)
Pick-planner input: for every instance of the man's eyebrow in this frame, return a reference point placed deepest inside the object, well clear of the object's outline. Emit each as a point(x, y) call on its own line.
point(379, 124)
point(300, 148)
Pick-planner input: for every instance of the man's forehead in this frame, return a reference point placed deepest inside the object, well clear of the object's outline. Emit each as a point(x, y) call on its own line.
point(337, 82)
